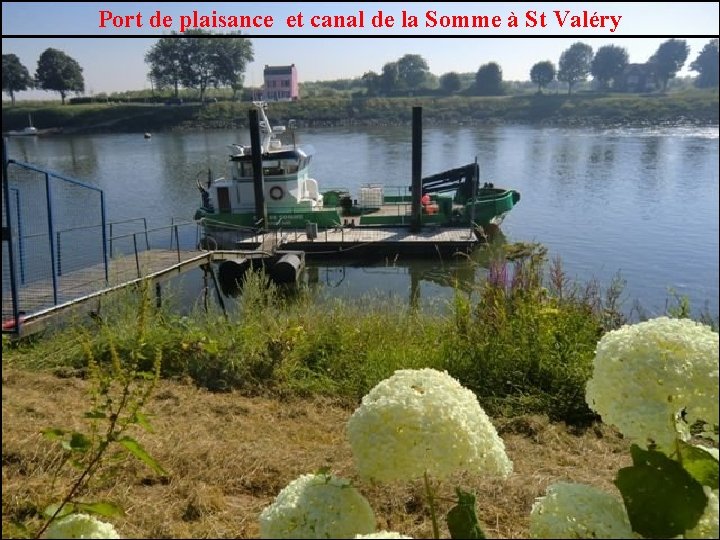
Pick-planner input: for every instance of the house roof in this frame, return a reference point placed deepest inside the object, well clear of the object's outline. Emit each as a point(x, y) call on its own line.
point(278, 70)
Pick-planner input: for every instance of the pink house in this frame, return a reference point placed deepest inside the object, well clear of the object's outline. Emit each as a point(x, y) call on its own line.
point(281, 83)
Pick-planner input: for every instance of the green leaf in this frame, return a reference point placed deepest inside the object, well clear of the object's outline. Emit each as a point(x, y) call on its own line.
point(95, 414)
point(53, 433)
point(102, 508)
point(462, 520)
point(139, 452)
point(141, 420)
point(79, 442)
point(662, 499)
point(50, 510)
point(702, 466)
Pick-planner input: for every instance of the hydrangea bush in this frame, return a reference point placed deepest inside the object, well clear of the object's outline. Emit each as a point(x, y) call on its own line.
point(423, 421)
point(414, 424)
point(647, 375)
point(80, 526)
point(653, 381)
point(317, 506)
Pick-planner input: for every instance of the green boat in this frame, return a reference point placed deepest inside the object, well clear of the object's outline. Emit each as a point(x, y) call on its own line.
point(293, 199)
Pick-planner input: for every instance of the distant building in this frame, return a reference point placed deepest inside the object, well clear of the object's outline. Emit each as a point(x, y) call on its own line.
point(636, 78)
point(280, 83)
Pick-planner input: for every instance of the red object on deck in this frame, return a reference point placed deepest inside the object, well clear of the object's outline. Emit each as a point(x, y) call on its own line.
point(9, 324)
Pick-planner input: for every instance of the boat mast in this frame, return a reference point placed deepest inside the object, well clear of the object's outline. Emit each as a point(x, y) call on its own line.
point(265, 126)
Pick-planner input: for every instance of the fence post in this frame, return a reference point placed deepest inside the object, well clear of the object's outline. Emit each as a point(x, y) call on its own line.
point(147, 242)
point(59, 255)
point(51, 237)
point(7, 237)
point(137, 260)
point(177, 242)
point(111, 239)
point(104, 235)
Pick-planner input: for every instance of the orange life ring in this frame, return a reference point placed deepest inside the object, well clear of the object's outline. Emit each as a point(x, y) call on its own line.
point(276, 193)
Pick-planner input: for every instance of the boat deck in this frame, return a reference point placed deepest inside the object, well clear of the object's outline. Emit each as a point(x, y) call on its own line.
point(430, 241)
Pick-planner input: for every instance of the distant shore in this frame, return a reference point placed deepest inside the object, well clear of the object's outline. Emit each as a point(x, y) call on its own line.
point(686, 108)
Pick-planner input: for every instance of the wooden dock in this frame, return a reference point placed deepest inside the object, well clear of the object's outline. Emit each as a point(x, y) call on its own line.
point(382, 241)
point(40, 302)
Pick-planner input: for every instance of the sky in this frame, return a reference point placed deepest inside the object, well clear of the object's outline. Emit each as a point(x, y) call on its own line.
point(113, 57)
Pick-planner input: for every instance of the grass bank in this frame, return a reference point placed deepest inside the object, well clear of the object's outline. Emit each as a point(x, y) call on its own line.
point(524, 343)
point(690, 106)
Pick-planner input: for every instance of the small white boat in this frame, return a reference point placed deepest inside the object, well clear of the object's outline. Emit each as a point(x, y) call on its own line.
point(29, 130)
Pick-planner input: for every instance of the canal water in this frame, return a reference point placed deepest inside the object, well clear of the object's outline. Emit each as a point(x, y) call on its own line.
point(641, 203)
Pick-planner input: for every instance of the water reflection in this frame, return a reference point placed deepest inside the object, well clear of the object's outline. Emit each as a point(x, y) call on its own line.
point(642, 201)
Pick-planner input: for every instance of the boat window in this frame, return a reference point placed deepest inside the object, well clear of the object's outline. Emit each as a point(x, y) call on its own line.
point(272, 168)
point(246, 169)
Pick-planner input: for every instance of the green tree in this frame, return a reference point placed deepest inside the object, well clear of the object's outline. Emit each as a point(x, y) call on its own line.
point(609, 63)
point(706, 64)
point(58, 72)
point(373, 83)
point(389, 79)
point(669, 59)
point(199, 62)
point(574, 64)
point(166, 62)
point(488, 80)
point(15, 76)
point(412, 71)
point(450, 83)
point(542, 74)
point(231, 57)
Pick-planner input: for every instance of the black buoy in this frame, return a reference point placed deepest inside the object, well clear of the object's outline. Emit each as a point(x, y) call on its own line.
point(231, 275)
point(286, 269)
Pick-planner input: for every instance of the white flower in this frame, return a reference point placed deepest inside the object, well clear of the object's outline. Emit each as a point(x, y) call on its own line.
point(707, 527)
point(317, 506)
point(423, 420)
point(80, 526)
point(646, 374)
point(383, 534)
point(578, 511)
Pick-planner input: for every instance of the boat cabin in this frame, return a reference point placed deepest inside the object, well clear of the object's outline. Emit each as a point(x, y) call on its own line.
point(286, 177)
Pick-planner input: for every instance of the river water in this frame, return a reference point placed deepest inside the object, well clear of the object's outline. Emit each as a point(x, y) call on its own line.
point(641, 202)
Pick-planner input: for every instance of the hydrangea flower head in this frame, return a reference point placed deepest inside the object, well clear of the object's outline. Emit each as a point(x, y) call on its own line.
point(317, 506)
point(80, 526)
point(578, 511)
point(383, 534)
point(645, 375)
point(421, 421)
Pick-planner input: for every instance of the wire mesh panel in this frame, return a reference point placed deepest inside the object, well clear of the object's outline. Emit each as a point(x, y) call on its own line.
point(57, 237)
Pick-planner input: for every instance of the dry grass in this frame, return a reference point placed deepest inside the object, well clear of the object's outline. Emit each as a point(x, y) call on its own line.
point(229, 456)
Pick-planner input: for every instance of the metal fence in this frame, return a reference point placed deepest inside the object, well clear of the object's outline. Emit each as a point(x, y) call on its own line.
point(58, 246)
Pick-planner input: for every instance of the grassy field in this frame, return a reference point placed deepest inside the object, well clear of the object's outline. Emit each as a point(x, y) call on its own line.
point(697, 106)
point(229, 455)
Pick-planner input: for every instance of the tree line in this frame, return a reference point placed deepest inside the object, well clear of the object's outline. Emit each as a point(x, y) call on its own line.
point(199, 60)
point(410, 74)
point(194, 59)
